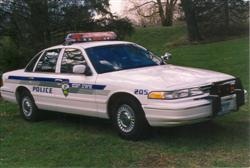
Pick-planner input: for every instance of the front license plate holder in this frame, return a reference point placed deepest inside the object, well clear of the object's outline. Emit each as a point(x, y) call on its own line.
point(225, 108)
point(220, 106)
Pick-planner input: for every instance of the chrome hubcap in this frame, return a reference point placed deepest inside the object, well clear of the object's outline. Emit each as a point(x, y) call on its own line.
point(126, 118)
point(27, 107)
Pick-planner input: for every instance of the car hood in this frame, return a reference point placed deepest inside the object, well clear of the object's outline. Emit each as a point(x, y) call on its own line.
point(167, 76)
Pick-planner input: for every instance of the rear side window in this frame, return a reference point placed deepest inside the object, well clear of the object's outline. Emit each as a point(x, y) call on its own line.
point(32, 63)
point(47, 62)
point(71, 57)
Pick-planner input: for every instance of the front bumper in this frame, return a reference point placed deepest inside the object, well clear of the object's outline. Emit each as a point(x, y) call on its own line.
point(193, 111)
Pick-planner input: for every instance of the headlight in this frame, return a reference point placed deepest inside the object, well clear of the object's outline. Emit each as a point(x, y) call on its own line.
point(177, 94)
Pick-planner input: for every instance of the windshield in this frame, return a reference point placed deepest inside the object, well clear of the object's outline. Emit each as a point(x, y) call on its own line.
point(119, 57)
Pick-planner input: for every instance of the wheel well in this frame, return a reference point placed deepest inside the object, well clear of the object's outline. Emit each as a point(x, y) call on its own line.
point(115, 97)
point(19, 91)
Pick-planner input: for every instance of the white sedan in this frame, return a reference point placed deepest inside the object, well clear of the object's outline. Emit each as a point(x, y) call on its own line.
point(94, 75)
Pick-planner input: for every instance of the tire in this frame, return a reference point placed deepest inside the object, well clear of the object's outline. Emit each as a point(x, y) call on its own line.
point(129, 119)
point(28, 108)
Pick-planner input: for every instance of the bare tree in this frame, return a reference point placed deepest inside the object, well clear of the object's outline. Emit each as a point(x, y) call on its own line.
point(191, 20)
point(147, 14)
point(162, 8)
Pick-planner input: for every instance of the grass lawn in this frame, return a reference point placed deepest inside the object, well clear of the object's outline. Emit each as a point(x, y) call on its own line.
point(66, 140)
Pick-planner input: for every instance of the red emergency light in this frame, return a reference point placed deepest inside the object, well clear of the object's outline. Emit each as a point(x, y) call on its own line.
point(90, 36)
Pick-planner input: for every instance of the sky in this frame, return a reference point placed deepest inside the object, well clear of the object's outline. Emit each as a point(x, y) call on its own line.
point(116, 6)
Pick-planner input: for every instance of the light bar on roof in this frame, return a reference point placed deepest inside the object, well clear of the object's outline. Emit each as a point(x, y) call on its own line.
point(91, 36)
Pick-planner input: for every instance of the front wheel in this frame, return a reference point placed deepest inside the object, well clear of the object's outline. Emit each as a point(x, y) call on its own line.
point(28, 108)
point(129, 119)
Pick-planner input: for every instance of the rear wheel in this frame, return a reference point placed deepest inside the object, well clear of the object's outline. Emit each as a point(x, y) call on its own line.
point(129, 119)
point(28, 108)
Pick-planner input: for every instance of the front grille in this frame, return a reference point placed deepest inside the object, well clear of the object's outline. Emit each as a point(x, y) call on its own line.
point(221, 89)
point(224, 88)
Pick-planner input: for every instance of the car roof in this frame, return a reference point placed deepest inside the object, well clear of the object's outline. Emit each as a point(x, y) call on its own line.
point(90, 44)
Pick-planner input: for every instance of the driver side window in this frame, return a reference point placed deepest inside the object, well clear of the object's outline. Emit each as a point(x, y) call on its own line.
point(71, 57)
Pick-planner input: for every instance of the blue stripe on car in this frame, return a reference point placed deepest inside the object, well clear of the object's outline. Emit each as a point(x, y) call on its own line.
point(98, 87)
point(41, 79)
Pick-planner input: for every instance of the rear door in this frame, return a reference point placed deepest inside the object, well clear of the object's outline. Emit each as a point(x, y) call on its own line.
point(42, 81)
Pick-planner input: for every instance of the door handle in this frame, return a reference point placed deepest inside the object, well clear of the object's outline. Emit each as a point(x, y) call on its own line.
point(58, 80)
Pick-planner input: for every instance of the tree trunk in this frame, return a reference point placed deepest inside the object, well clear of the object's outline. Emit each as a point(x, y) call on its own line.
point(192, 26)
point(39, 22)
point(169, 14)
point(226, 8)
point(161, 13)
point(167, 17)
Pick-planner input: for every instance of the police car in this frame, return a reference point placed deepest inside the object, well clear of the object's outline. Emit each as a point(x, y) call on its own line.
point(92, 74)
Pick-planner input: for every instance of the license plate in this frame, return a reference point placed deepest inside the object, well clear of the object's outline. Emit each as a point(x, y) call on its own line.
point(225, 107)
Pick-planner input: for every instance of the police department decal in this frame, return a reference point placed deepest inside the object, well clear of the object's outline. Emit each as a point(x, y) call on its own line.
point(65, 89)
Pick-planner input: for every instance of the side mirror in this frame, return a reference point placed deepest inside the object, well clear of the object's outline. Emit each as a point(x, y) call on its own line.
point(79, 69)
point(167, 56)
